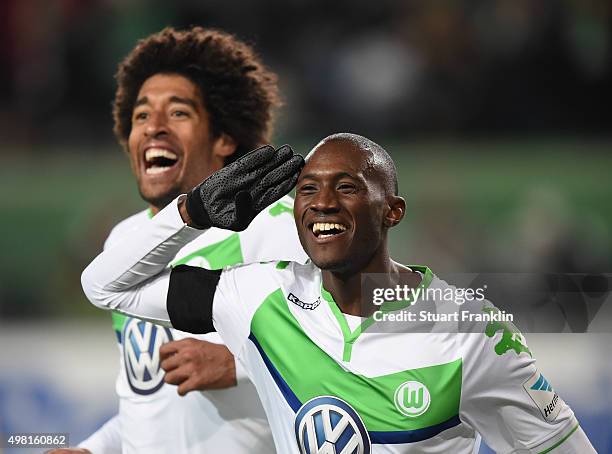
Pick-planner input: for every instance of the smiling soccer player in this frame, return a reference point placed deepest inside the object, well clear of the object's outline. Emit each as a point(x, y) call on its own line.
point(189, 102)
point(330, 381)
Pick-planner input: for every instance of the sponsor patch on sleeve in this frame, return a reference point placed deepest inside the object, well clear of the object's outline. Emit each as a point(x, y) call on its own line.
point(544, 396)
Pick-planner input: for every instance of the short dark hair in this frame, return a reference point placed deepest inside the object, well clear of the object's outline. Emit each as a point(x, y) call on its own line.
point(239, 92)
point(381, 160)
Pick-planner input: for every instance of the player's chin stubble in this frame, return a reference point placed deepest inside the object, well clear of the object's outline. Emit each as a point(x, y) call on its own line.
point(162, 200)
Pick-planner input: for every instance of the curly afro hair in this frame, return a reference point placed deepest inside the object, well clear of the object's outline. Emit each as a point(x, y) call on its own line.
point(239, 93)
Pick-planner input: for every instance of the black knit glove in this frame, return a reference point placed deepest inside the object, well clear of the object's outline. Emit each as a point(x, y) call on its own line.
point(231, 197)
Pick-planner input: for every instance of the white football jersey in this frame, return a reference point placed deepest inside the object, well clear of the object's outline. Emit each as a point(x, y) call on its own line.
point(153, 418)
point(335, 383)
point(331, 379)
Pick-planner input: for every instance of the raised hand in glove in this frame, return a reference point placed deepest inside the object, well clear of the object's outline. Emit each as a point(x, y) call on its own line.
point(231, 197)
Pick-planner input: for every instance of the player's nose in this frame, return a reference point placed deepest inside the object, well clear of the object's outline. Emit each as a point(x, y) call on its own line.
point(325, 200)
point(157, 124)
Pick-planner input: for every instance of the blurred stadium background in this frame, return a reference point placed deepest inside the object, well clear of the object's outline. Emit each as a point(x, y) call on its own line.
point(496, 111)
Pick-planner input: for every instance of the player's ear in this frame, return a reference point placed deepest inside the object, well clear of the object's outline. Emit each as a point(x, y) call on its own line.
point(224, 146)
point(395, 211)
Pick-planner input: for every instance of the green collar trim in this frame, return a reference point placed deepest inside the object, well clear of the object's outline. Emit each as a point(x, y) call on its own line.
point(326, 295)
point(351, 336)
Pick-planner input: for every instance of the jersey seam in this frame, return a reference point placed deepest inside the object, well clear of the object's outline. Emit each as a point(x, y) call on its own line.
point(561, 441)
point(538, 443)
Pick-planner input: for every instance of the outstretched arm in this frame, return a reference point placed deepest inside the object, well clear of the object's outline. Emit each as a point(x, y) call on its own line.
point(508, 400)
point(130, 276)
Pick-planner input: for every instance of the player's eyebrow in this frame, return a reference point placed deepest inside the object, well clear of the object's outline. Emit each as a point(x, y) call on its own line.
point(190, 102)
point(141, 101)
point(173, 99)
point(339, 175)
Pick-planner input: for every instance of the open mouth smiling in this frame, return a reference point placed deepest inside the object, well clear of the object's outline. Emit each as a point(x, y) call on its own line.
point(159, 160)
point(323, 230)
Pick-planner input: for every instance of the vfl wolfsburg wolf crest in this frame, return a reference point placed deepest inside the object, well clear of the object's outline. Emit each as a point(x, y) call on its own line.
point(328, 425)
point(412, 398)
point(141, 342)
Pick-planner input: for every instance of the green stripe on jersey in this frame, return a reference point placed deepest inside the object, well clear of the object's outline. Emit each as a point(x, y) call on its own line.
point(351, 336)
point(227, 252)
point(281, 207)
point(281, 265)
point(310, 372)
point(560, 442)
point(118, 321)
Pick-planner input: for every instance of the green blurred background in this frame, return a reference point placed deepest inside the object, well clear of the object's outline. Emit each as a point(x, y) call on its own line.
point(473, 206)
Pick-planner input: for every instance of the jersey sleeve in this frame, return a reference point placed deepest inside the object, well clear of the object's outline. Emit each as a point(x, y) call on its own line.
point(132, 275)
point(273, 236)
point(106, 440)
point(508, 400)
point(129, 224)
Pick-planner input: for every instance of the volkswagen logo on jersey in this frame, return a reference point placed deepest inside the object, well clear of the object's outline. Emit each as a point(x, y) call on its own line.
point(412, 398)
point(141, 342)
point(328, 425)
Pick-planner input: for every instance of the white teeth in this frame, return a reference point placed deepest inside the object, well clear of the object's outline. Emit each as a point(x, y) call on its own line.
point(320, 227)
point(153, 153)
point(155, 170)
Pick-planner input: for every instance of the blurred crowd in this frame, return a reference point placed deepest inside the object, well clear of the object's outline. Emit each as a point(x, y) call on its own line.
point(395, 68)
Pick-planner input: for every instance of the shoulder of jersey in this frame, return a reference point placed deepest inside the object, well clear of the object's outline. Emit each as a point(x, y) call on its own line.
point(275, 232)
point(274, 211)
point(288, 270)
point(278, 215)
point(128, 224)
point(296, 270)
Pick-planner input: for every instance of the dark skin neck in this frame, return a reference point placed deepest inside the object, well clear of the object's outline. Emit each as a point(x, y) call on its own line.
point(345, 285)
